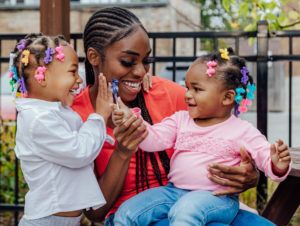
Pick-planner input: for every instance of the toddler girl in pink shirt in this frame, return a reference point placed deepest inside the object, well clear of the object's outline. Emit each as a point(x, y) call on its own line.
point(219, 88)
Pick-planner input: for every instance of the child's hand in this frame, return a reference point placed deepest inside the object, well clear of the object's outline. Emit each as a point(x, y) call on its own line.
point(147, 82)
point(104, 100)
point(280, 157)
point(121, 114)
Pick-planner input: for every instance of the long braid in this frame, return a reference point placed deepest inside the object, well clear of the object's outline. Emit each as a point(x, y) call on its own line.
point(164, 158)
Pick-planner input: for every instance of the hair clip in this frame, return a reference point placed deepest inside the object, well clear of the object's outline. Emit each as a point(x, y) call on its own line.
point(244, 105)
point(60, 55)
point(40, 73)
point(251, 89)
point(49, 52)
point(211, 67)
point(25, 57)
point(21, 45)
point(238, 97)
point(22, 87)
point(245, 77)
point(12, 57)
point(224, 54)
point(13, 73)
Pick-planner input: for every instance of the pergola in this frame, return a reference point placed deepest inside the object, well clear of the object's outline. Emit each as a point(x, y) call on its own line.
point(55, 17)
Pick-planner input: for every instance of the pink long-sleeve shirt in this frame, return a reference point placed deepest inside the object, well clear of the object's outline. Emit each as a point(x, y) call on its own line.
point(195, 147)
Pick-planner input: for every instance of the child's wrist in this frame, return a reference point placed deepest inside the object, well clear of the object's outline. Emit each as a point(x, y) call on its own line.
point(279, 172)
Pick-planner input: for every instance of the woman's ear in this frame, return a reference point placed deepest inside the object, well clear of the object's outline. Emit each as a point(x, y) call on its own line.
point(229, 96)
point(93, 57)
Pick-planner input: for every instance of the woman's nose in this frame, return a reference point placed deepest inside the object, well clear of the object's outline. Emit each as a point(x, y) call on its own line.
point(139, 70)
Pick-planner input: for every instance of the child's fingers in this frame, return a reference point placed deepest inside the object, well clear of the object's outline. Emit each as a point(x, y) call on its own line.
point(285, 159)
point(273, 149)
point(279, 142)
point(282, 147)
point(284, 154)
point(102, 89)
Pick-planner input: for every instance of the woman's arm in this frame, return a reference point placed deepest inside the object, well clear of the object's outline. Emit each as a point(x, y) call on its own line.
point(237, 178)
point(128, 136)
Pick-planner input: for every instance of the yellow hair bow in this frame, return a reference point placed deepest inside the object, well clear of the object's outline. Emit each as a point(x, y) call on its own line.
point(224, 54)
point(25, 57)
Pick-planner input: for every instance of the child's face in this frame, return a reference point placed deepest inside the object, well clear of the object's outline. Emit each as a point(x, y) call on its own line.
point(62, 77)
point(204, 94)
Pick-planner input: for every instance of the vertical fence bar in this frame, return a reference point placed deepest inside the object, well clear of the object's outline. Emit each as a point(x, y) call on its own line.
point(237, 46)
point(154, 55)
point(290, 90)
point(195, 46)
point(262, 101)
point(173, 60)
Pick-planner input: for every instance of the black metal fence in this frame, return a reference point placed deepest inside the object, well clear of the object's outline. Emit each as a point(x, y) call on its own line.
point(175, 57)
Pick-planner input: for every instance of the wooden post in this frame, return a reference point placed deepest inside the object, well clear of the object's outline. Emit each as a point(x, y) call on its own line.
point(55, 17)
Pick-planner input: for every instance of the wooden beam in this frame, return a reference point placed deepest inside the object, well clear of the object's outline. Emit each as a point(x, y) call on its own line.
point(55, 17)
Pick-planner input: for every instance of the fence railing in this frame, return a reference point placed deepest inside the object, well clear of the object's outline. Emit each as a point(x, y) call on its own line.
point(175, 55)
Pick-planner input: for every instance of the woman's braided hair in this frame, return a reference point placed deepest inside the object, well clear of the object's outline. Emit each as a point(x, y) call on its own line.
point(104, 28)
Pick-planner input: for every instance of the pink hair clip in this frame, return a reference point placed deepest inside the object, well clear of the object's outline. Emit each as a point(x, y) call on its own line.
point(244, 105)
point(211, 67)
point(40, 73)
point(60, 55)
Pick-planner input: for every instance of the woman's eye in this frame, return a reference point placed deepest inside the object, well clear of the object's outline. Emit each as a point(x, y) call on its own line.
point(127, 63)
point(149, 60)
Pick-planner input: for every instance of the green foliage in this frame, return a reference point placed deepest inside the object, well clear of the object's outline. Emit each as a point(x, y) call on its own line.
point(7, 165)
point(244, 14)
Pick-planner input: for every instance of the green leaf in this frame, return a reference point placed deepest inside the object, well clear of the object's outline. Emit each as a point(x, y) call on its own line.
point(226, 5)
point(293, 15)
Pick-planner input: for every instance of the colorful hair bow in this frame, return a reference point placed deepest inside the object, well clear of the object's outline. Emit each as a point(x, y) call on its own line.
point(211, 67)
point(238, 97)
point(22, 45)
point(224, 54)
point(243, 107)
point(251, 89)
point(25, 57)
point(49, 52)
point(22, 87)
point(245, 77)
point(60, 55)
point(40, 73)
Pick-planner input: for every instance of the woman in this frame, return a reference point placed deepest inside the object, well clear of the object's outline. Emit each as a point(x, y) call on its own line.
point(117, 44)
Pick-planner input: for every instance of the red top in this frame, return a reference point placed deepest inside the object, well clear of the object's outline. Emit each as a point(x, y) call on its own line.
point(164, 99)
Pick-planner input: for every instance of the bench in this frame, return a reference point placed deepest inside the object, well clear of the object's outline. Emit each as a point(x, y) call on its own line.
point(286, 198)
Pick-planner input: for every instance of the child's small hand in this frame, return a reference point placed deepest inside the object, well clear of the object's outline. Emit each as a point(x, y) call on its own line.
point(280, 157)
point(147, 82)
point(104, 100)
point(121, 114)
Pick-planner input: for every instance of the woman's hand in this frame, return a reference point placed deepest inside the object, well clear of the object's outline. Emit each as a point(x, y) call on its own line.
point(129, 134)
point(236, 178)
point(147, 82)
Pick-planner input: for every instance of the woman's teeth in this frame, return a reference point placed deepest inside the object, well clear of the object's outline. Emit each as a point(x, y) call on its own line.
point(135, 85)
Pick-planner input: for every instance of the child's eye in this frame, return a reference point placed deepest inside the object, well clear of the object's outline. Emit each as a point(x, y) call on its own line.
point(197, 89)
point(127, 63)
point(149, 60)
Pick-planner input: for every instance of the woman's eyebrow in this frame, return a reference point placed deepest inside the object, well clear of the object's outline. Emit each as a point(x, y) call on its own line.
point(135, 53)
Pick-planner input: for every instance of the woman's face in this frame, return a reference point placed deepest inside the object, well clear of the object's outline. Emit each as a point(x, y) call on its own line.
point(128, 61)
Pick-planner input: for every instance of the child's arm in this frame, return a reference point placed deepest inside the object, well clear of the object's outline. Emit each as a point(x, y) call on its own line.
point(55, 141)
point(280, 157)
point(160, 136)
